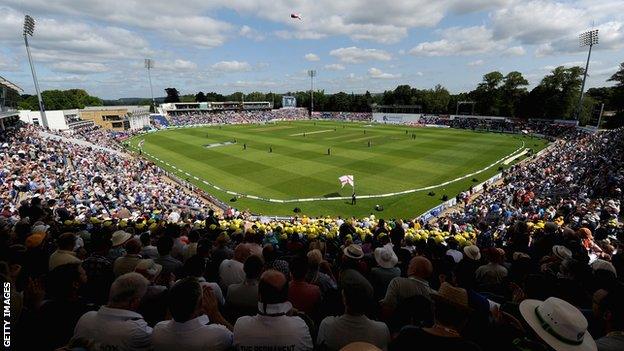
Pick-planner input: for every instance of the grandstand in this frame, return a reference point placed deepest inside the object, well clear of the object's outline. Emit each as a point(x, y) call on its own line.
point(57, 119)
point(159, 120)
point(548, 226)
point(177, 108)
point(9, 93)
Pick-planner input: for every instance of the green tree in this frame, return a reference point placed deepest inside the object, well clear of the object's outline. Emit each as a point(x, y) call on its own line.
point(187, 98)
point(200, 97)
point(28, 102)
point(256, 96)
point(403, 95)
point(602, 95)
point(320, 100)
point(434, 100)
point(212, 96)
point(275, 99)
point(512, 92)
point(564, 84)
point(618, 77)
point(617, 98)
point(172, 95)
point(588, 111)
point(453, 102)
point(556, 96)
point(60, 100)
point(340, 102)
point(237, 96)
point(487, 94)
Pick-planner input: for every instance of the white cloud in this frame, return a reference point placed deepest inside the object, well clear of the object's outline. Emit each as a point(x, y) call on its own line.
point(385, 34)
point(251, 84)
point(335, 67)
point(458, 41)
point(201, 31)
point(462, 6)
point(64, 79)
point(475, 63)
point(312, 57)
point(9, 64)
point(356, 55)
point(231, 66)
point(537, 21)
point(250, 33)
point(352, 78)
point(370, 20)
point(611, 35)
point(572, 64)
point(514, 51)
point(79, 67)
point(176, 65)
point(376, 73)
point(76, 37)
point(604, 72)
point(180, 25)
point(301, 35)
point(56, 40)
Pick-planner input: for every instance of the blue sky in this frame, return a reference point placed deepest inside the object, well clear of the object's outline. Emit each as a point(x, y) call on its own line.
point(355, 45)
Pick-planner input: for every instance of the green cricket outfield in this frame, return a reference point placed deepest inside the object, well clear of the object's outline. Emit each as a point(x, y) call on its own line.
point(276, 167)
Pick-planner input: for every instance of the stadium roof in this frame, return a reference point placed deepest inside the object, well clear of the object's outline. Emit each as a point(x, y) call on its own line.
point(10, 85)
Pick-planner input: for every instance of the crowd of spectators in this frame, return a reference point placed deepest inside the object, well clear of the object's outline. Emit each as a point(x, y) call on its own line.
point(503, 125)
point(237, 117)
point(97, 135)
point(100, 254)
point(345, 116)
point(82, 182)
point(432, 120)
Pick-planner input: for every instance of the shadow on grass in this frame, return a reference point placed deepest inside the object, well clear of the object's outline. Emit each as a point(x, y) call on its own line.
point(331, 195)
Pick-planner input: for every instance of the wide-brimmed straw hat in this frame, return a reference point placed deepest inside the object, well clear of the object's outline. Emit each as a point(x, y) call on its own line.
point(149, 268)
point(473, 252)
point(386, 257)
point(353, 251)
point(120, 237)
point(454, 296)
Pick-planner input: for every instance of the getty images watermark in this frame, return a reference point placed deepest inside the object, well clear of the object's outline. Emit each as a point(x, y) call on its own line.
point(6, 314)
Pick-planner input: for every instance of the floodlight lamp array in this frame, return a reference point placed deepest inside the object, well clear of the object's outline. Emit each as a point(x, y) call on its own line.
point(29, 25)
point(589, 38)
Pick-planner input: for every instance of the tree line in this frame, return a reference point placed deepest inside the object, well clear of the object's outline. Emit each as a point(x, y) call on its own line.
point(498, 94)
point(59, 100)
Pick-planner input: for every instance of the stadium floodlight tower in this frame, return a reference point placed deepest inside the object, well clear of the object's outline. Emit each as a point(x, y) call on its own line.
point(149, 64)
point(311, 74)
point(29, 29)
point(589, 38)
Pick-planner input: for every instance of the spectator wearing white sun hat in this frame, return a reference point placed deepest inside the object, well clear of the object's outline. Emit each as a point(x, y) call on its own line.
point(382, 276)
point(118, 239)
point(558, 324)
